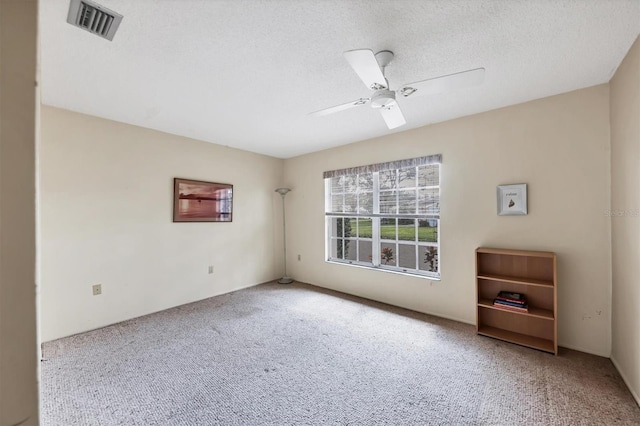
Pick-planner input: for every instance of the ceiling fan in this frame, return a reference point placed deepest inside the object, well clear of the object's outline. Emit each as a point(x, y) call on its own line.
point(370, 68)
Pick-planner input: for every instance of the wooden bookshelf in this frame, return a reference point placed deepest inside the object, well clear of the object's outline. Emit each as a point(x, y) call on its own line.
point(532, 273)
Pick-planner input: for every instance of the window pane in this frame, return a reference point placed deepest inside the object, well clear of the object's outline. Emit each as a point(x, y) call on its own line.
point(350, 183)
point(407, 201)
point(428, 231)
point(388, 228)
point(350, 249)
point(429, 175)
point(366, 203)
point(345, 228)
point(340, 248)
point(387, 179)
point(428, 259)
point(334, 247)
point(350, 203)
point(337, 203)
point(337, 227)
point(333, 226)
point(364, 251)
point(364, 228)
point(407, 177)
point(407, 229)
point(365, 182)
point(388, 254)
point(388, 202)
point(336, 184)
point(429, 201)
point(407, 256)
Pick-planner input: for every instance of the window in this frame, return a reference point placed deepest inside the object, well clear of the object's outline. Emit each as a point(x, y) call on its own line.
point(385, 216)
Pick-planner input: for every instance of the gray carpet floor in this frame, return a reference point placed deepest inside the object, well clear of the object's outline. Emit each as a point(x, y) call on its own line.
point(299, 355)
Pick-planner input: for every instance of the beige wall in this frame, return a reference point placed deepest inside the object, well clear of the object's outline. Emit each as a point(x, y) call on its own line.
point(625, 202)
point(559, 146)
point(106, 217)
point(18, 341)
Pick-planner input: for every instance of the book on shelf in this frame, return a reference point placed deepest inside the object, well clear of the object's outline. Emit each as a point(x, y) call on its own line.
point(515, 297)
point(515, 302)
point(508, 307)
point(508, 303)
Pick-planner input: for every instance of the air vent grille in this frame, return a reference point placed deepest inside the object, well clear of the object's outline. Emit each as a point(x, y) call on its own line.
point(94, 18)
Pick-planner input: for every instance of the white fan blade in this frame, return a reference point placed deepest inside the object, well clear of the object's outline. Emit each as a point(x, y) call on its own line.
point(364, 63)
point(444, 84)
point(393, 116)
point(331, 110)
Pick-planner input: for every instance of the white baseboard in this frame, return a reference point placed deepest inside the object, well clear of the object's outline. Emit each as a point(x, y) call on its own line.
point(581, 349)
point(386, 302)
point(626, 381)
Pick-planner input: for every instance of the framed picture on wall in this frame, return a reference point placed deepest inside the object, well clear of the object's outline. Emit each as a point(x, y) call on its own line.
point(198, 201)
point(512, 199)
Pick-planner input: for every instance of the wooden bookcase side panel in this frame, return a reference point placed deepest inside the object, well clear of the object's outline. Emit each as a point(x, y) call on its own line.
point(512, 321)
point(477, 293)
point(539, 297)
point(536, 268)
point(555, 304)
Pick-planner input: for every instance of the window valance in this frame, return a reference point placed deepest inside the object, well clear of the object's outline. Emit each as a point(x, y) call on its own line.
point(398, 164)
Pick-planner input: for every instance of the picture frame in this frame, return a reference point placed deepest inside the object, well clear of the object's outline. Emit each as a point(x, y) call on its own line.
point(512, 199)
point(200, 201)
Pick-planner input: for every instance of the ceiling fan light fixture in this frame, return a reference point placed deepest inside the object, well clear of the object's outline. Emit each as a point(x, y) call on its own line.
point(383, 99)
point(384, 57)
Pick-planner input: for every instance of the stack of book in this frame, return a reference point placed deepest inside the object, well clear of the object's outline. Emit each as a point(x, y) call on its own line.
point(516, 302)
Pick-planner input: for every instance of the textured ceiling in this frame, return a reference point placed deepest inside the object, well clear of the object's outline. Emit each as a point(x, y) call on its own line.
point(246, 73)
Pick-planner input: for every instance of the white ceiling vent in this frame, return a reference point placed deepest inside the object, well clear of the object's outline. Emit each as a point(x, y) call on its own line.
point(94, 18)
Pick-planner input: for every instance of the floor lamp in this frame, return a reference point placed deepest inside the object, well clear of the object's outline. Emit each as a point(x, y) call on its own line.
point(285, 279)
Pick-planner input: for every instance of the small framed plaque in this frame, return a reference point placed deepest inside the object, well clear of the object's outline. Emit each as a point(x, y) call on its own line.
point(512, 199)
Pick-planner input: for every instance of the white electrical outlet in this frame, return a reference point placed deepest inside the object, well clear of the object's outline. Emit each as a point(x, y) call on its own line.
point(211, 269)
point(97, 289)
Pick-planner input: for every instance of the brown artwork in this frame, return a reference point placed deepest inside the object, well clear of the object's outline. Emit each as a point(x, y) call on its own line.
point(198, 201)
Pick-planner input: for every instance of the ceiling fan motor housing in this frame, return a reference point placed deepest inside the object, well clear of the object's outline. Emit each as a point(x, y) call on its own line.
point(383, 99)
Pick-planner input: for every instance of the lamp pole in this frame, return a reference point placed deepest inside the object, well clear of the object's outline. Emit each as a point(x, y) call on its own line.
point(285, 279)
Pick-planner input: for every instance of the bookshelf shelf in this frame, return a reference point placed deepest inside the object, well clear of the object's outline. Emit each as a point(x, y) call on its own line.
point(533, 312)
point(516, 280)
point(532, 273)
point(519, 338)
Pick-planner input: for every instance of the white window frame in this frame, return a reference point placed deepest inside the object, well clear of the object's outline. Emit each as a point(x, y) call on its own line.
point(376, 216)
